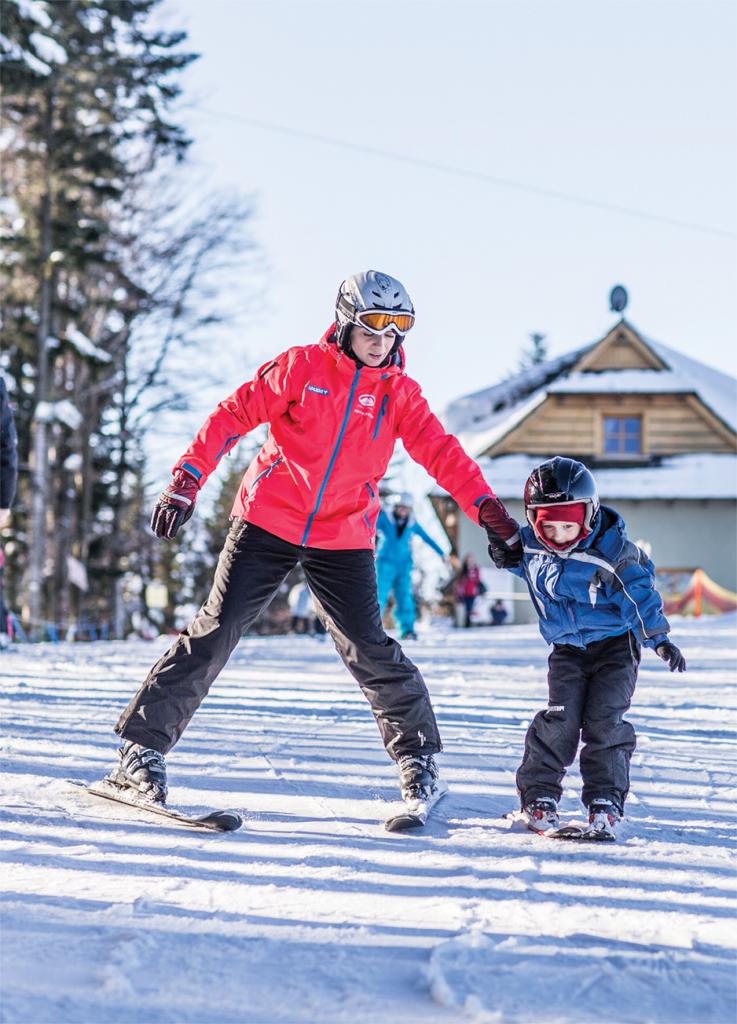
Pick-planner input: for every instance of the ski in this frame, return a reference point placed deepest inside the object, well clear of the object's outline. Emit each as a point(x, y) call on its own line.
point(573, 831)
point(415, 812)
point(595, 835)
point(215, 821)
point(578, 834)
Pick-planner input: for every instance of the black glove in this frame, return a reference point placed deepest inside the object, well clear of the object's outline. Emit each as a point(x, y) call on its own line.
point(505, 547)
point(175, 505)
point(670, 653)
point(502, 556)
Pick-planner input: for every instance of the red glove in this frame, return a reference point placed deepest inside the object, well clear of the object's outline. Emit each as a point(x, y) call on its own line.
point(505, 546)
point(175, 505)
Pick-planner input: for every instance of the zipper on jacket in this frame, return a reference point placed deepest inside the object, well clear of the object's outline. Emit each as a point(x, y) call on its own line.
point(333, 457)
point(372, 495)
point(379, 418)
point(264, 472)
point(229, 442)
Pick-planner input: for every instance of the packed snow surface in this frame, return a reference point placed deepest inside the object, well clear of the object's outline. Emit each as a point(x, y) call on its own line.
point(312, 912)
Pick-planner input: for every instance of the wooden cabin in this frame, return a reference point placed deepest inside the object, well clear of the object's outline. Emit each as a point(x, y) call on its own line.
point(657, 428)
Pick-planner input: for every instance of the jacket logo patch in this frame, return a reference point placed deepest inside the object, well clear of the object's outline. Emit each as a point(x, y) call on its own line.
point(368, 401)
point(317, 390)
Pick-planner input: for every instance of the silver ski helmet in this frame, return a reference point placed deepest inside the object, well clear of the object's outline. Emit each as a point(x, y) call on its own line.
point(370, 292)
point(561, 481)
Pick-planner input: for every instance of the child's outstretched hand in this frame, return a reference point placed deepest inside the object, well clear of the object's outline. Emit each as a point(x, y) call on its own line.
point(671, 654)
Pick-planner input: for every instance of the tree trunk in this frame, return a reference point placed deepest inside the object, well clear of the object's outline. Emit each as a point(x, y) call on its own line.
point(40, 475)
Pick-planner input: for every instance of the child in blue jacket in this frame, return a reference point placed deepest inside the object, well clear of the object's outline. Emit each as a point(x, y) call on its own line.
point(594, 592)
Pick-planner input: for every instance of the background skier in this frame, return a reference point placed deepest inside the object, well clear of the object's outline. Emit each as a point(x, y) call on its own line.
point(467, 587)
point(499, 613)
point(300, 605)
point(335, 410)
point(8, 482)
point(394, 562)
point(594, 591)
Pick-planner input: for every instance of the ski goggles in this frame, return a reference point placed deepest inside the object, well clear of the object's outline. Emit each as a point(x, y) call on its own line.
point(378, 321)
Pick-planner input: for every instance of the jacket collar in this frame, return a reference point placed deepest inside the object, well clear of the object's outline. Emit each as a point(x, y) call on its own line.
point(348, 366)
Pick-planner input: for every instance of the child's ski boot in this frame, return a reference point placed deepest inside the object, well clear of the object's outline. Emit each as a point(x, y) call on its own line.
point(541, 814)
point(603, 819)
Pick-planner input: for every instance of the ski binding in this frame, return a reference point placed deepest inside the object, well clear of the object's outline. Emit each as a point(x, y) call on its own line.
point(215, 821)
point(415, 812)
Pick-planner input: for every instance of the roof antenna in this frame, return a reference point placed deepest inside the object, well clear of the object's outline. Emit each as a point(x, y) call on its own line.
point(618, 298)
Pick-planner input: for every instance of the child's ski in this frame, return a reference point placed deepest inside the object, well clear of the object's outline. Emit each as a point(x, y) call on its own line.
point(415, 813)
point(215, 821)
point(579, 834)
point(573, 831)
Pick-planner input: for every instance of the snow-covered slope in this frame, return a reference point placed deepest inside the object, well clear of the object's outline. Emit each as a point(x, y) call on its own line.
point(312, 913)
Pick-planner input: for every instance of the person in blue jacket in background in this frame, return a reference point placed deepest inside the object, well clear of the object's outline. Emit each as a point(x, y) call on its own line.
point(394, 561)
point(594, 592)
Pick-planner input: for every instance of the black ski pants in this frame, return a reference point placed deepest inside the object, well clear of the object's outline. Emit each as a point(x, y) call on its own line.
point(251, 567)
point(589, 689)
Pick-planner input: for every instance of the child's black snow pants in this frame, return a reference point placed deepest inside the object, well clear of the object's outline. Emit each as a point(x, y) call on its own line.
point(251, 567)
point(590, 689)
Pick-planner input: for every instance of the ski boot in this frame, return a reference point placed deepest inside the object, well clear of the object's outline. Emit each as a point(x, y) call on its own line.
point(603, 818)
point(409, 634)
point(418, 776)
point(542, 814)
point(142, 769)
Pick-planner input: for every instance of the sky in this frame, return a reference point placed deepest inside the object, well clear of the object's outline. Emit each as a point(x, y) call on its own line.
point(627, 104)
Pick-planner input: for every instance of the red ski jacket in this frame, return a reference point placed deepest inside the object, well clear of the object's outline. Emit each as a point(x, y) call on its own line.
point(332, 430)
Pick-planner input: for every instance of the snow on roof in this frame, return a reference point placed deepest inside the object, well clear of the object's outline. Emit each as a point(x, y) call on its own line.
point(482, 418)
point(482, 409)
point(718, 390)
point(697, 476)
point(495, 427)
point(621, 381)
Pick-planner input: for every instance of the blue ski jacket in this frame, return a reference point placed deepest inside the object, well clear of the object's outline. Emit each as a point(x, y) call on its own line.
point(603, 587)
point(396, 549)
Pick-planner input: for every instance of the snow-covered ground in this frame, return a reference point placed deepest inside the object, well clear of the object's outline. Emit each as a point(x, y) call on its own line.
point(312, 912)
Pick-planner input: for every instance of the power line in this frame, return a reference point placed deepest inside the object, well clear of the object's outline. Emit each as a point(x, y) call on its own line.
point(464, 172)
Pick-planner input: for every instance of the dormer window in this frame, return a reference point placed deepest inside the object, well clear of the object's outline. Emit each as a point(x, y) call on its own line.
point(622, 435)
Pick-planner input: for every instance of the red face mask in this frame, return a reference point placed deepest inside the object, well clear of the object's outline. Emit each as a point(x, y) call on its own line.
point(574, 513)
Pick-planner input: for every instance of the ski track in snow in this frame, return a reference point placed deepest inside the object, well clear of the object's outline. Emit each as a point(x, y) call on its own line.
point(312, 912)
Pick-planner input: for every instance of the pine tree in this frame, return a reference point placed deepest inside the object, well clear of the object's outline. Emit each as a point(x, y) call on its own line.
point(535, 353)
point(86, 87)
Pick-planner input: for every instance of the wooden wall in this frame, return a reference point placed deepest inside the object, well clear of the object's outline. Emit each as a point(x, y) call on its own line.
point(672, 425)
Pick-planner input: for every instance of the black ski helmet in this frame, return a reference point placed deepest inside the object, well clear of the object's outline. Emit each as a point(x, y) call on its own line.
point(561, 481)
point(368, 290)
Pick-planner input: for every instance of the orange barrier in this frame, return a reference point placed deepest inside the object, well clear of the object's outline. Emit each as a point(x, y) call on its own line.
point(702, 596)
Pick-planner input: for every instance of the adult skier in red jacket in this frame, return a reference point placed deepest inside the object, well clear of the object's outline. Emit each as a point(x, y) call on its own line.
point(310, 496)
